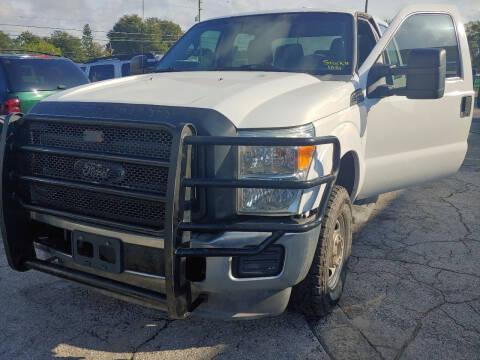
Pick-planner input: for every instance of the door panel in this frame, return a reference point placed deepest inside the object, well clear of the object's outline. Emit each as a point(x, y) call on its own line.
point(411, 141)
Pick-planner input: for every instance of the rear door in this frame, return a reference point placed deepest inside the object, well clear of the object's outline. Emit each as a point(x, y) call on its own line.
point(410, 141)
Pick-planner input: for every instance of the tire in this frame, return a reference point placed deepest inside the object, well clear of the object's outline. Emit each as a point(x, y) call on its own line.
point(321, 289)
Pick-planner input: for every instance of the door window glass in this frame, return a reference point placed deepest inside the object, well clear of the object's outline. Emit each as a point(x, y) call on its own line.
point(101, 72)
point(423, 31)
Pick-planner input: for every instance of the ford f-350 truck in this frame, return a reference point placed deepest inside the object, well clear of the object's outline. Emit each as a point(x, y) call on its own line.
point(222, 184)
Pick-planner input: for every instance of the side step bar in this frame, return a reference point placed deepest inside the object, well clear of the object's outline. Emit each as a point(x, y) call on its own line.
point(138, 295)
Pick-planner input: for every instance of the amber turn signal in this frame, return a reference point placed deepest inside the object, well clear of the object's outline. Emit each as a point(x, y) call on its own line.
point(305, 154)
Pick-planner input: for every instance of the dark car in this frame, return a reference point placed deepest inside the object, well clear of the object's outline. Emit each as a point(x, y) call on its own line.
point(28, 79)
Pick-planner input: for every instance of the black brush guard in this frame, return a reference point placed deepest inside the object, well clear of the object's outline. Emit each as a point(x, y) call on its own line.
point(178, 299)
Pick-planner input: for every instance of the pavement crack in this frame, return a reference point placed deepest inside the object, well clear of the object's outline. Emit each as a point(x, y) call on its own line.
point(409, 340)
point(373, 346)
point(319, 339)
point(415, 331)
point(458, 324)
point(473, 308)
point(459, 214)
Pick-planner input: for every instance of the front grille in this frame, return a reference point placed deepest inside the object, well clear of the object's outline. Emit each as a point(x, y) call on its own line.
point(140, 177)
point(97, 204)
point(113, 140)
point(138, 164)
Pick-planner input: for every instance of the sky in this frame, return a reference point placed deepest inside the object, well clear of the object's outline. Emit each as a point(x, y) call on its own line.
point(102, 14)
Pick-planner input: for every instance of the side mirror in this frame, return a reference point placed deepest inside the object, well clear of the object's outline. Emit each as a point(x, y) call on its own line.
point(136, 64)
point(426, 73)
point(425, 76)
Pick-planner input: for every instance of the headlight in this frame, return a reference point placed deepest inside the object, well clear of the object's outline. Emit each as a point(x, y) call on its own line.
point(273, 162)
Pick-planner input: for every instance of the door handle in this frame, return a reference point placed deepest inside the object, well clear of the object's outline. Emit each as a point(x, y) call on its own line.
point(466, 106)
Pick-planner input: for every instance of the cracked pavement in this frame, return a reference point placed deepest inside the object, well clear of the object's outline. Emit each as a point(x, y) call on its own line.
point(412, 292)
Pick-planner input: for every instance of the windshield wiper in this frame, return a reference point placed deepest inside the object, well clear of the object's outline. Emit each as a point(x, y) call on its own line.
point(261, 67)
point(169, 69)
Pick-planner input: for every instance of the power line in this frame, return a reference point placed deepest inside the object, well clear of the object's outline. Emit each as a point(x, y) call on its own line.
point(80, 30)
point(34, 17)
point(163, 38)
point(165, 41)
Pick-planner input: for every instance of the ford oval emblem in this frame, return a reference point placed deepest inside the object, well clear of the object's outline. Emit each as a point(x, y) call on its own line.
point(99, 171)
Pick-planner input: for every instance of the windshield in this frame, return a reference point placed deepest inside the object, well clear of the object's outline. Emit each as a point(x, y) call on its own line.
point(29, 74)
point(316, 43)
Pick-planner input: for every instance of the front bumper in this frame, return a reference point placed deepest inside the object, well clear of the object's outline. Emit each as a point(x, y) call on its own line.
point(229, 297)
point(219, 292)
point(225, 296)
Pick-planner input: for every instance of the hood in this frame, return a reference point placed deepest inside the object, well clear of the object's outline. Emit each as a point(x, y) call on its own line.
point(248, 99)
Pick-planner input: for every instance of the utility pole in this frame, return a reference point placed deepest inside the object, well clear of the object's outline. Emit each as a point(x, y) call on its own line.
point(143, 30)
point(366, 6)
point(199, 16)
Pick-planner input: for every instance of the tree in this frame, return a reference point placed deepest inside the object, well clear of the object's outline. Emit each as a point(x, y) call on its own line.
point(87, 40)
point(131, 35)
point(28, 41)
point(71, 46)
point(163, 34)
point(5, 41)
point(42, 46)
point(126, 35)
point(26, 38)
point(473, 34)
point(90, 48)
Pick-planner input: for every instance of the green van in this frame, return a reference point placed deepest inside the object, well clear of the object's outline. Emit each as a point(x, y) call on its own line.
point(28, 79)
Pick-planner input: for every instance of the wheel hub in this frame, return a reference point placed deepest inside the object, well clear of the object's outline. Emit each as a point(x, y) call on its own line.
point(335, 261)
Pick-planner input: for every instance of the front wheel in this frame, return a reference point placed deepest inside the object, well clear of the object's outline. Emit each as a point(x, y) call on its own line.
point(321, 289)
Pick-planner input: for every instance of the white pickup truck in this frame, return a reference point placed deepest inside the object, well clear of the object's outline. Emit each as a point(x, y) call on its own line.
point(223, 184)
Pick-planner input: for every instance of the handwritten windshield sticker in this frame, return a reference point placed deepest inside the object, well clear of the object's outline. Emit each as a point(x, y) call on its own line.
point(336, 65)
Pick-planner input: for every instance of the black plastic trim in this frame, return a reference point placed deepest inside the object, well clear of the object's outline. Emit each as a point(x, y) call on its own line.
point(260, 141)
point(129, 291)
point(103, 189)
point(223, 252)
point(258, 183)
point(92, 220)
point(261, 226)
point(96, 156)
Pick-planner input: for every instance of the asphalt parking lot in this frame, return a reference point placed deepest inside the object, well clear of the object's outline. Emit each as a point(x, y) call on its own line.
point(413, 292)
